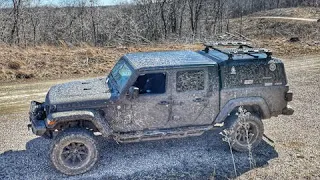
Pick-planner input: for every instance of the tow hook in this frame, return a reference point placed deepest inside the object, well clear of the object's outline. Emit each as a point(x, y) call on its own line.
point(287, 111)
point(29, 127)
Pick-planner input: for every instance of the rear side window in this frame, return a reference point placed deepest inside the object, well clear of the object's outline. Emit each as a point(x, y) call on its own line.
point(190, 80)
point(255, 74)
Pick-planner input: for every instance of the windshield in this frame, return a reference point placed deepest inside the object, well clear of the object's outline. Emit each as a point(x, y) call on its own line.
point(121, 74)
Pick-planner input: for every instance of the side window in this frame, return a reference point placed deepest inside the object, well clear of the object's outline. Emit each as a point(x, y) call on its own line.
point(190, 80)
point(154, 83)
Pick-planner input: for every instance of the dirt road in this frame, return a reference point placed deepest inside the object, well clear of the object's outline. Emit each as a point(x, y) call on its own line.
point(16, 97)
point(287, 18)
point(295, 153)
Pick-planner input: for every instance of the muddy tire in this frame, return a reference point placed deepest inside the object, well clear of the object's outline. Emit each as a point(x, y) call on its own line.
point(74, 151)
point(245, 132)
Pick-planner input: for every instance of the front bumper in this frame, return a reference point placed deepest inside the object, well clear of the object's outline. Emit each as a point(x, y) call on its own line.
point(36, 117)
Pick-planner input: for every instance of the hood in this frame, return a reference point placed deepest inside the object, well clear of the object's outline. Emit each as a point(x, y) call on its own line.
point(87, 93)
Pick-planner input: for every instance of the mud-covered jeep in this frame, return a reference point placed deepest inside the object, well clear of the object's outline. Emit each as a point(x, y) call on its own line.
point(160, 95)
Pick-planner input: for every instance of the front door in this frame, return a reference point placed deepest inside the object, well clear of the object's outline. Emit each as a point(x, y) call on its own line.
point(150, 110)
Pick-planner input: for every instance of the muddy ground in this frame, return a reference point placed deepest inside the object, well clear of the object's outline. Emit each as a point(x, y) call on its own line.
point(294, 154)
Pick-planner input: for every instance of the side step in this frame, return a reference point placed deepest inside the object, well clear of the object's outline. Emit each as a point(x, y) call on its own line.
point(148, 135)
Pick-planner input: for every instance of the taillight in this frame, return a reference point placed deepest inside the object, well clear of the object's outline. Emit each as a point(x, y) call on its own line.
point(288, 96)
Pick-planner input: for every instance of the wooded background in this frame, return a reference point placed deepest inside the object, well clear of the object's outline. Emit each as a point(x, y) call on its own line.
point(26, 23)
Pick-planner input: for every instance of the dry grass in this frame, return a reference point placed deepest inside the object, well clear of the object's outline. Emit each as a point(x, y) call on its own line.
point(49, 62)
point(299, 12)
point(45, 62)
point(256, 28)
point(273, 28)
point(281, 47)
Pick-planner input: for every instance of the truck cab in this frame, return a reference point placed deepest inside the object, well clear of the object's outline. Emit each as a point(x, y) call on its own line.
point(180, 89)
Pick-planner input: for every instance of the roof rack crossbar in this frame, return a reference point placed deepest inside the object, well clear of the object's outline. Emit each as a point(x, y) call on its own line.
point(252, 55)
point(230, 56)
point(241, 46)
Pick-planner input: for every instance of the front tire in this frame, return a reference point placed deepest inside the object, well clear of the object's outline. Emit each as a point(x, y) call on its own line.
point(74, 151)
point(244, 133)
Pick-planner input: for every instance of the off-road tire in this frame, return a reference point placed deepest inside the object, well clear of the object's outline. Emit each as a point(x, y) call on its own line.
point(68, 139)
point(233, 124)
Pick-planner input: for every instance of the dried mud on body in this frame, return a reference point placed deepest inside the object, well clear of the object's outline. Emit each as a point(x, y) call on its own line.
point(295, 153)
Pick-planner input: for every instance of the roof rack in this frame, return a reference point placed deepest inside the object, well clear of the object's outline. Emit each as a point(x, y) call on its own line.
point(227, 43)
point(243, 48)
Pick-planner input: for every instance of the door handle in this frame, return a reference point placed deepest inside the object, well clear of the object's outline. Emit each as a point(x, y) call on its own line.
point(198, 100)
point(164, 103)
point(177, 103)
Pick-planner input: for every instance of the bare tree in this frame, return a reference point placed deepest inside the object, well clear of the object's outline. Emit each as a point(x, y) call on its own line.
point(139, 21)
point(195, 7)
point(14, 35)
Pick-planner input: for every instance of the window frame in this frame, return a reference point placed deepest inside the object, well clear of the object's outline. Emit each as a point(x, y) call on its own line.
point(193, 90)
point(114, 82)
point(154, 94)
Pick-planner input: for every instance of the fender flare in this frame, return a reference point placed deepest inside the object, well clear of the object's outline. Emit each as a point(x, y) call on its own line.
point(93, 116)
point(233, 103)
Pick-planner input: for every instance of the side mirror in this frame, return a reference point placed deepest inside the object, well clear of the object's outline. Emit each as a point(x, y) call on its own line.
point(133, 92)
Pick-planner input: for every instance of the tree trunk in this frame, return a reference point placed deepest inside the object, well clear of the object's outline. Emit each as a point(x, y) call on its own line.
point(15, 26)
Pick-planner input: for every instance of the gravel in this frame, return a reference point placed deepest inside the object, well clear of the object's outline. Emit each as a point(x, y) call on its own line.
point(188, 158)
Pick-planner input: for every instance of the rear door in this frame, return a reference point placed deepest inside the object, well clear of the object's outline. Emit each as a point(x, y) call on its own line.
point(195, 97)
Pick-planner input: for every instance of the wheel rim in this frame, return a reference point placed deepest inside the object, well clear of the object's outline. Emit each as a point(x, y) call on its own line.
point(74, 154)
point(246, 134)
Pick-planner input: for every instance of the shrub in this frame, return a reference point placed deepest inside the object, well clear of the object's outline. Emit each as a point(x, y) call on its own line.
point(14, 65)
point(23, 75)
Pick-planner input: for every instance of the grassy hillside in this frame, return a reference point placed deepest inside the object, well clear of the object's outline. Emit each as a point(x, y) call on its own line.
point(55, 62)
point(254, 27)
point(50, 62)
point(300, 12)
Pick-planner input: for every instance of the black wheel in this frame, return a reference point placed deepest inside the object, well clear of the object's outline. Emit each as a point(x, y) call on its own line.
point(244, 132)
point(74, 151)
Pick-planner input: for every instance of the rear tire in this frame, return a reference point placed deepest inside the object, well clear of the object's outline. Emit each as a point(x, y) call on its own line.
point(74, 151)
point(246, 133)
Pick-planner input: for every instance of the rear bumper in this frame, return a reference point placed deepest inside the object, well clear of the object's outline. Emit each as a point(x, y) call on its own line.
point(288, 110)
point(288, 96)
point(36, 117)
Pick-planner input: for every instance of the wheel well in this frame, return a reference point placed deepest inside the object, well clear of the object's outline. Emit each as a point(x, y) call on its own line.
point(255, 109)
point(76, 123)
